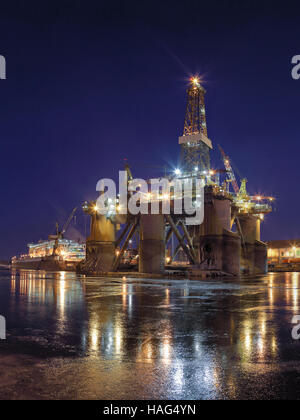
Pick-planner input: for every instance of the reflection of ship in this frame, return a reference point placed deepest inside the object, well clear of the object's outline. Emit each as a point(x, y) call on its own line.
point(56, 253)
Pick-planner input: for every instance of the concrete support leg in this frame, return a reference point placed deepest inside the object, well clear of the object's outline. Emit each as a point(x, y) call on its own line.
point(221, 252)
point(254, 257)
point(152, 244)
point(217, 214)
point(247, 259)
point(218, 247)
point(250, 226)
point(100, 256)
point(210, 252)
point(100, 245)
point(231, 256)
point(260, 258)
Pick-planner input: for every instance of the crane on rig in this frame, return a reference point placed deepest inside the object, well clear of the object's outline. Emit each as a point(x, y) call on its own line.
point(244, 202)
point(229, 170)
point(240, 192)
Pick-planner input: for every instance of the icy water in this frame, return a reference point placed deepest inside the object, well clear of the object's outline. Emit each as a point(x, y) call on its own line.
point(72, 337)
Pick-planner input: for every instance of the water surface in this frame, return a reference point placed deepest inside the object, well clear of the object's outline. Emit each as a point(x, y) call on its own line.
point(73, 337)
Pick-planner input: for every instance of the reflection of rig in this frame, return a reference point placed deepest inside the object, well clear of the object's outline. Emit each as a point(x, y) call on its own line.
point(228, 240)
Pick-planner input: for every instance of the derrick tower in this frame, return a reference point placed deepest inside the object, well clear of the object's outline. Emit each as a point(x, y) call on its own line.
point(195, 145)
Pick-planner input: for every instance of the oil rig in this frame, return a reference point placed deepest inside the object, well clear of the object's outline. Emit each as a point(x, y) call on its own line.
point(226, 242)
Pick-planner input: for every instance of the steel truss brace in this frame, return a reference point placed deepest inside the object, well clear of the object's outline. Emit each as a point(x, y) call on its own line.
point(125, 244)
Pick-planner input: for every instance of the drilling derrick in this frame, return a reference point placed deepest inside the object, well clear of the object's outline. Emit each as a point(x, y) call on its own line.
point(195, 145)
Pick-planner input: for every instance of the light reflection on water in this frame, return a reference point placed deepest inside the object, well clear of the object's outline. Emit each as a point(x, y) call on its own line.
point(192, 332)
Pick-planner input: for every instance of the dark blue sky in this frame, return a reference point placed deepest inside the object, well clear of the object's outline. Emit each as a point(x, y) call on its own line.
point(91, 83)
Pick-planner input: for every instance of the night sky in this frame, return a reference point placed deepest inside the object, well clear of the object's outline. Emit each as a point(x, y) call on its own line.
point(91, 83)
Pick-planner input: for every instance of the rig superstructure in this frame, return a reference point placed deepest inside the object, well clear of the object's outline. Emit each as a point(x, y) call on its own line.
point(226, 242)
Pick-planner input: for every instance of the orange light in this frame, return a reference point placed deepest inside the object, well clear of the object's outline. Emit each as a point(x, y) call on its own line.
point(195, 81)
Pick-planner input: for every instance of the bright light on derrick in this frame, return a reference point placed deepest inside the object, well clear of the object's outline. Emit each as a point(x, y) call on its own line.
point(177, 171)
point(195, 81)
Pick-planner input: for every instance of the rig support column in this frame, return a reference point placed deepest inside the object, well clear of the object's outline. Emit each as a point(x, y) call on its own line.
point(218, 247)
point(255, 260)
point(100, 245)
point(152, 243)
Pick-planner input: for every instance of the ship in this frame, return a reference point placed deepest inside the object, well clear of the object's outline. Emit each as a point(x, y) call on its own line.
point(54, 254)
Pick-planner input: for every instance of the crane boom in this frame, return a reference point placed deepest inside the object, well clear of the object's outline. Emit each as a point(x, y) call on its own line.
point(229, 170)
point(66, 225)
point(128, 170)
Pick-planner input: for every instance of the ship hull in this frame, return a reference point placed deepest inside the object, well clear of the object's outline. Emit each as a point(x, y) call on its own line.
point(46, 264)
